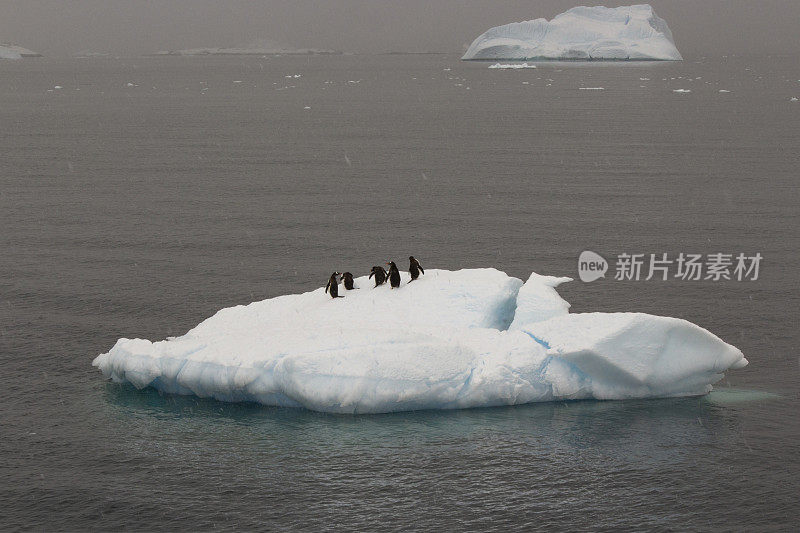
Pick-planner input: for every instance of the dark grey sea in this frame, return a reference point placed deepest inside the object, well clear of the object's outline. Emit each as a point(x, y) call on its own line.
point(143, 195)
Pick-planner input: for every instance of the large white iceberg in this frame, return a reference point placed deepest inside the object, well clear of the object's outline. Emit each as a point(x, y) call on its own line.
point(627, 32)
point(448, 340)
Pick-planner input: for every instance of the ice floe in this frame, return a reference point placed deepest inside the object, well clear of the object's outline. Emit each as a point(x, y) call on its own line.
point(448, 340)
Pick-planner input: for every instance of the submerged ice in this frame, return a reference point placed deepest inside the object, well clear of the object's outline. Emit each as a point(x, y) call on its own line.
point(626, 32)
point(449, 340)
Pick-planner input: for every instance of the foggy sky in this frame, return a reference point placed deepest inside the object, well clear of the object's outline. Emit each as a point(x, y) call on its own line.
point(60, 28)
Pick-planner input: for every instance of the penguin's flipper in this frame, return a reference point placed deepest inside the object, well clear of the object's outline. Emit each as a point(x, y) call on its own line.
point(421, 269)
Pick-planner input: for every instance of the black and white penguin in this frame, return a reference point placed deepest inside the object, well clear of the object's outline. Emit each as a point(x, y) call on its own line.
point(333, 286)
point(394, 275)
point(347, 279)
point(414, 268)
point(380, 275)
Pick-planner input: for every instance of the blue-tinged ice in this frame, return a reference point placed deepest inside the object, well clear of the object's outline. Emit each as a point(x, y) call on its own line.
point(448, 340)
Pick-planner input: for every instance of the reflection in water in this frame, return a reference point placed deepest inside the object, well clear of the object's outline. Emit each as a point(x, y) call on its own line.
point(643, 430)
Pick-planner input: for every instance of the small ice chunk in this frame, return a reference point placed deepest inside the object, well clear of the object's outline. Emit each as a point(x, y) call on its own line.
point(681, 90)
point(511, 65)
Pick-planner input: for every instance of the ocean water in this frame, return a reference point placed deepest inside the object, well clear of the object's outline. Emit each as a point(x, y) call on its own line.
point(145, 194)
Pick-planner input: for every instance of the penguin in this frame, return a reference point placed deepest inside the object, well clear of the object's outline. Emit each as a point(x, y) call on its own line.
point(394, 275)
point(414, 268)
point(347, 279)
point(333, 286)
point(380, 275)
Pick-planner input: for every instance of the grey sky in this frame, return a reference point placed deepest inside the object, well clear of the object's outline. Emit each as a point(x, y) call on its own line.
point(133, 27)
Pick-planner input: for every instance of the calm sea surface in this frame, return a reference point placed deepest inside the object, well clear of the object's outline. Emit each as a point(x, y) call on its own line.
point(145, 194)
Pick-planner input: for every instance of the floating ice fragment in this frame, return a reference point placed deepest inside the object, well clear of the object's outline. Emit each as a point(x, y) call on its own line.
point(724, 91)
point(511, 65)
point(681, 90)
point(592, 88)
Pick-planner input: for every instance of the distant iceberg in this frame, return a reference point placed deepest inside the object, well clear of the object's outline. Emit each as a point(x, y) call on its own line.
point(88, 54)
point(622, 33)
point(258, 48)
point(13, 51)
point(470, 338)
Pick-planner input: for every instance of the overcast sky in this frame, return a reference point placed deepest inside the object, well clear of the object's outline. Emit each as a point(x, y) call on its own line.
point(133, 27)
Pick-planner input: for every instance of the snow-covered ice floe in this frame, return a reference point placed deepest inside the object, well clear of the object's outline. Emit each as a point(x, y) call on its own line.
point(622, 33)
point(448, 340)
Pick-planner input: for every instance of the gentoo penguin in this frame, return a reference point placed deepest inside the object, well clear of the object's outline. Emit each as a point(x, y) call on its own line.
point(380, 275)
point(333, 286)
point(414, 268)
point(347, 279)
point(394, 275)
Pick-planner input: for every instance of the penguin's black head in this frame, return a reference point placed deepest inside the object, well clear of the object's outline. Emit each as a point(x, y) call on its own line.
point(410, 257)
